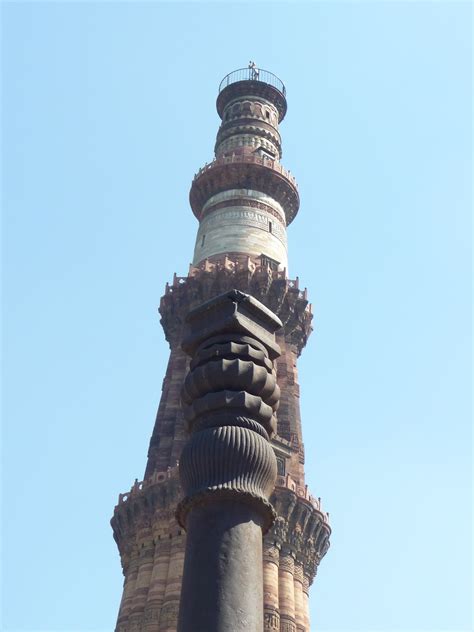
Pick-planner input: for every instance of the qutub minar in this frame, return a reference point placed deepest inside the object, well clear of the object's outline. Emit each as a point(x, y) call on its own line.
point(224, 484)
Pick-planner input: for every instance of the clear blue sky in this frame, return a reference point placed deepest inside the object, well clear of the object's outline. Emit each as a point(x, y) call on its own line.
point(108, 111)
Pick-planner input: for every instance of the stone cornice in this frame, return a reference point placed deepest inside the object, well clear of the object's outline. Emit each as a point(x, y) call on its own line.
point(301, 529)
point(279, 294)
point(245, 170)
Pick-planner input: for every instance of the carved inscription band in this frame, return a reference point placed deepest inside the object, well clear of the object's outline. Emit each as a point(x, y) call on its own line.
point(243, 202)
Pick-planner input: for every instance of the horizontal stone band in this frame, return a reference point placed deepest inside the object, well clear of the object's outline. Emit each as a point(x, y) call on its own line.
point(264, 507)
point(240, 402)
point(231, 374)
point(218, 350)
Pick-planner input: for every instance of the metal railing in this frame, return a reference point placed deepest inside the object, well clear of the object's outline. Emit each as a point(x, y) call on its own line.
point(252, 74)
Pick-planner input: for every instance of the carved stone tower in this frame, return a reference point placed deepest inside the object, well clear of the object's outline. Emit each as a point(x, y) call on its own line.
point(244, 200)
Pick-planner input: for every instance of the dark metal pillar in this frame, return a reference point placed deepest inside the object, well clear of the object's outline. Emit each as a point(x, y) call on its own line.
point(227, 468)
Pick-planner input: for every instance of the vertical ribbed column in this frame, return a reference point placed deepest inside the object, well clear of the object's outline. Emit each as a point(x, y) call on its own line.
point(146, 553)
point(169, 611)
point(299, 600)
point(130, 581)
point(289, 417)
point(168, 434)
point(286, 591)
point(122, 601)
point(271, 613)
point(306, 602)
point(158, 578)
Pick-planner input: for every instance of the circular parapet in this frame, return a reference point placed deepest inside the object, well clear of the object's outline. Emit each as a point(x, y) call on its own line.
point(246, 170)
point(255, 82)
point(149, 502)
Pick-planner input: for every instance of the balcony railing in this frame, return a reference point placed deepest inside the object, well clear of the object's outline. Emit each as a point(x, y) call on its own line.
point(253, 74)
point(232, 263)
point(251, 158)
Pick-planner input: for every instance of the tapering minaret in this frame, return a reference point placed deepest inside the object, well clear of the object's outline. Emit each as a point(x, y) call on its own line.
point(244, 200)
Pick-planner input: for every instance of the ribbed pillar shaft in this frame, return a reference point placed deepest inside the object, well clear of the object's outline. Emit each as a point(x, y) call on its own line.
point(286, 592)
point(299, 600)
point(306, 602)
point(158, 578)
point(130, 581)
point(169, 610)
point(271, 613)
point(145, 568)
point(168, 438)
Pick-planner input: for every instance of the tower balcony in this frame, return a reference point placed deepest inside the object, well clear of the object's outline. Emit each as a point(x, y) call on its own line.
point(245, 169)
point(252, 81)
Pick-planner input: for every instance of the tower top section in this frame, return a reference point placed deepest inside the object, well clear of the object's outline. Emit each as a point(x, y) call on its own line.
point(244, 199)
point(252, 81)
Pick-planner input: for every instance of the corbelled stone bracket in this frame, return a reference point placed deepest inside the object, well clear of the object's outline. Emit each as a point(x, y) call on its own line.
point(227, 468)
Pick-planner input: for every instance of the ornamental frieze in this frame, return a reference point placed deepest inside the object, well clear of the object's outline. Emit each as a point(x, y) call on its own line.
point(244, 202)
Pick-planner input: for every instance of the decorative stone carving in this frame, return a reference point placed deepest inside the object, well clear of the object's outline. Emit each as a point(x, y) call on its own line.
point(296, 541)
point(246, 114)
point(256, 204)
point(287, 562)
point(271, 620)
point(281, 295)
point(298, 572)
point(287, 624)
point(248, 171)
point(271, 553)
point(267, 135)
point(229, 399)
point(280, 529)
point(298, 518)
